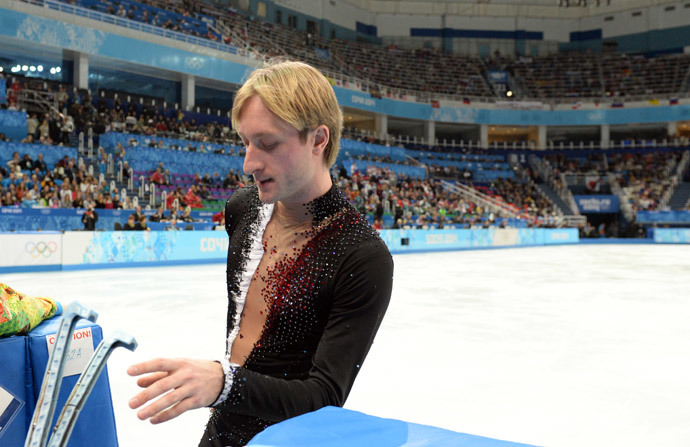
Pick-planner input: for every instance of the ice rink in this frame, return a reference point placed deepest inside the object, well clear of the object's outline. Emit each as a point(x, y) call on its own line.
point(585, 345)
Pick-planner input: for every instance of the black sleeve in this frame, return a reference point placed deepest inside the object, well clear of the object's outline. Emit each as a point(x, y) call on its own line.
point(362, 292)
point(237, 205)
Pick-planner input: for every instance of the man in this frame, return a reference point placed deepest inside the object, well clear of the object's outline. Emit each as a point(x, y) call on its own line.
point(40, 164)
point(308, 279)
point(89, 218)
point(131, 224)
point(157, 216)
point(171, 227)
point(137, 214)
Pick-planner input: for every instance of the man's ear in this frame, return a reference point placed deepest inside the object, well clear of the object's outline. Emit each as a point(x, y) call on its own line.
point(321, 139)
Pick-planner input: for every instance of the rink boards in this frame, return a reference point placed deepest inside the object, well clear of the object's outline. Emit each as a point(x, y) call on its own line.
point(21, 379)
point(73, 250)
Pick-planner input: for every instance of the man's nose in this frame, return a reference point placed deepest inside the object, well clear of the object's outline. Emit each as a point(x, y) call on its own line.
point(252, 162)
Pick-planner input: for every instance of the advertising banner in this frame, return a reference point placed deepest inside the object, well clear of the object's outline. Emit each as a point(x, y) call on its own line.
point(498, 76)
point(672, 235)
point(401, 241)
point(155, 247)
point(597, 204)
point(670, 217)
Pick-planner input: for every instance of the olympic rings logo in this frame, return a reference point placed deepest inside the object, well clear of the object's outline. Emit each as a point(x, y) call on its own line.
point(38, 249)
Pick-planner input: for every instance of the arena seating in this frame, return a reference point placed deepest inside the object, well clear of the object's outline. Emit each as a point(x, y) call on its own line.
point(400, 72)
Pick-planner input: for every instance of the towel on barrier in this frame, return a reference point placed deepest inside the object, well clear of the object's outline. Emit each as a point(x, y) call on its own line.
point(20, 313)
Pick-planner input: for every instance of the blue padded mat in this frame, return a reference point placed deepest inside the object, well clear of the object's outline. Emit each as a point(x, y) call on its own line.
point(338, 427)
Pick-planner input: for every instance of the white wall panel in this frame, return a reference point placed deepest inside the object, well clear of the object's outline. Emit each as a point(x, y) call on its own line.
point(671, 19)
point(312, 8)
point(346, 15)
point(400, 24)
point(31, 249)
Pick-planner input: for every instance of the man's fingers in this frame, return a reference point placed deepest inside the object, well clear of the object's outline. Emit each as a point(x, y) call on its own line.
point(158, 388)
point(161, 404)
point(154, 365)
point(146, 381)
point(174, 411)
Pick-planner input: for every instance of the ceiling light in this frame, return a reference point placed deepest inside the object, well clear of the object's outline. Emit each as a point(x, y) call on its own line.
point(25, 68)
point(39, 68)
point(32, 68)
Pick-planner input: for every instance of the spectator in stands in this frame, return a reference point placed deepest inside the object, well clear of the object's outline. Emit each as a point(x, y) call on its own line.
point(47, 183)
point(126, 174)
point(27, 164)
point(131, 224)
point(89, 218)
point(115, 202)
point(204, 193)
point(14, 164)
point(9, 199)
point(157, 216)
point(66, 129)
point(40, 164)
point(173, 224)
point(192, 198)
point(187, 215)
point(13, 94)
point(77, 200)
point(137, 213)
point(108, 202)
point(141, 224)
point(32, 125)
point(158, 177)
point(44, 132)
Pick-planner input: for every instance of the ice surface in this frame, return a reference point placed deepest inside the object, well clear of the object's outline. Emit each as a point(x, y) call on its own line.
point(554, 346)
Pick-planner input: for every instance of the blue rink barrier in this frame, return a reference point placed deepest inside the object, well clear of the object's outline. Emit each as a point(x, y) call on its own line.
point(671, 235)
point(74, 250)
point(25, 359)
point(338, 427)
point(411, 241)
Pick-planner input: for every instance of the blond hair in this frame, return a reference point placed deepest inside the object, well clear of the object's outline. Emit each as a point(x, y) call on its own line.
point(298, 94)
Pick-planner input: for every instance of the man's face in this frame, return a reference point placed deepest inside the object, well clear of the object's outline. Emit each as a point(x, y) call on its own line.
point(283, 167)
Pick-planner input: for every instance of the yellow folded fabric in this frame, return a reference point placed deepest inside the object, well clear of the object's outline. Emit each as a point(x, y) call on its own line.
point(20, 313)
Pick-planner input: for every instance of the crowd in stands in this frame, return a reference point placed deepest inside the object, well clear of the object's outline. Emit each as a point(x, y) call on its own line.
point(376, 191)
point(395, 71)
point(32, 183)
point(68, 185)
point(643, 176)
point(411, 203)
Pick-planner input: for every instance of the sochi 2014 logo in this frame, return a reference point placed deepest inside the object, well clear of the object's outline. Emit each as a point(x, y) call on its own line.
point(41, 249)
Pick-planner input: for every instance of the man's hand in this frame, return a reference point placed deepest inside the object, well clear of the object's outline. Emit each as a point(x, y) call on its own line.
point(188, 383)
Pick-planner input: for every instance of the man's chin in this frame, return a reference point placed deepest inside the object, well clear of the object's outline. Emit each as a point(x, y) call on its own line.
point(267, 198)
